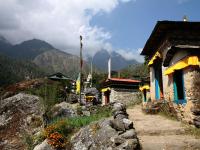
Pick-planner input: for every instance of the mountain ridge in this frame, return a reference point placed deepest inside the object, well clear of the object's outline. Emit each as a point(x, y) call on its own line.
point(43, 55)
point(118, 62)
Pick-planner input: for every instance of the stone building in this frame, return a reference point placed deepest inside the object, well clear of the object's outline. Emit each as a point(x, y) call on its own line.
point(145, 89)
point(120, 90)
point(173, 49)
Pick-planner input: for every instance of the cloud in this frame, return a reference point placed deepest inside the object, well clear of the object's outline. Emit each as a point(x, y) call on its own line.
point(125, 1)
point(132, 54)
point(59, 22)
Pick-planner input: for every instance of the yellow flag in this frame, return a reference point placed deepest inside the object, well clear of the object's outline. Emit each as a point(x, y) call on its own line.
point(78, 85)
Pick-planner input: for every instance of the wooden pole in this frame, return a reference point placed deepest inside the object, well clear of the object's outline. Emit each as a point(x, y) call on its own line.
point(81, 63)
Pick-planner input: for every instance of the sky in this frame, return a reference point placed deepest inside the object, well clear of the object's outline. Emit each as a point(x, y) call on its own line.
point(115, 25)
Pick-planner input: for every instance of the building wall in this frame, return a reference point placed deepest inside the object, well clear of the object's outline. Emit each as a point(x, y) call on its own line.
point(152, 83)
point(178, 56)
point(191, 77)
point(126, 96)
point(192, 94)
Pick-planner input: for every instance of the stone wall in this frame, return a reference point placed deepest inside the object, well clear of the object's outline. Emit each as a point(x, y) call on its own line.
point(152, 83)
point(191, 77)
point(192, 93)
point(126, 96)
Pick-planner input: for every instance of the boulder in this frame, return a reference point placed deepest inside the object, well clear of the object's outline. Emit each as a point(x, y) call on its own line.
point(116, 140)
point(94, 136)
point(197, 124)
point(43, 146)
point(119, 107)
point(130, 144)
point(118, 125)
point(127, 123)
point(116, 113)
point(86, 113)
point(129, 134)
point(121, 116)
point(16, 116)
point(63, 109)
point(108, 134)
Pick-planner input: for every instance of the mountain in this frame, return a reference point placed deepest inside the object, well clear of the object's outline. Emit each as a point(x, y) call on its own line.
point(13, 70)
point(44, 56)
point(26, 50)
point(5, 46)
point(58, 61)
point(118, 62)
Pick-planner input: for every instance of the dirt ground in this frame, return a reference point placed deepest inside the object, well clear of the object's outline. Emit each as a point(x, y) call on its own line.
point(156, 132)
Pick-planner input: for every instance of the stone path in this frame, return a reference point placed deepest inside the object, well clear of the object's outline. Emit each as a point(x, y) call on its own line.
point(159, 133)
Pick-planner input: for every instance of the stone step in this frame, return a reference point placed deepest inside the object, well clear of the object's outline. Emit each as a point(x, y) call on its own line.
point(169, 142)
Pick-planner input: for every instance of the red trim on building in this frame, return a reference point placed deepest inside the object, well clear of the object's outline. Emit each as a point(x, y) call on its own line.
point(123, 80)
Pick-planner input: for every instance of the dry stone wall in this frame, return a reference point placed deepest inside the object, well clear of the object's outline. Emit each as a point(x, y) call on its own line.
point(116, 133)
point(126, 96)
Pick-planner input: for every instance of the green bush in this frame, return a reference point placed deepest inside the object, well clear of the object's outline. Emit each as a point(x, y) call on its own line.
point(50, 93)
point(28, 141)
point(67, 126)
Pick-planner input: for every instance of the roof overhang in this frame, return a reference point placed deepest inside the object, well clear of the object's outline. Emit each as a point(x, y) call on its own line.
point(192, 50)
point(164, 29)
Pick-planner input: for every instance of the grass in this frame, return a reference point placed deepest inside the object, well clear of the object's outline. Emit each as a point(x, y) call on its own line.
point(50, 93)
point(81, 121)
point(66, 127)
point(191, 130)
point(28, 140)
point(167, 116)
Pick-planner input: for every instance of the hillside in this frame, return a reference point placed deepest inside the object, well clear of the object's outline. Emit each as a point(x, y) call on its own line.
point(13, 70)
point(58, 61)
point(135, 71)
point(43, 55)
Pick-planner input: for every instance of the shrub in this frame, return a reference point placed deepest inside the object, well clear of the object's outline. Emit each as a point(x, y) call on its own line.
point(61, 129)
point(28, 140)
point(57, 133)
point(57, 140)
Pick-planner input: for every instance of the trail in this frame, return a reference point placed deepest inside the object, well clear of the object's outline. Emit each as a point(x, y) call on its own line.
point(156, 132)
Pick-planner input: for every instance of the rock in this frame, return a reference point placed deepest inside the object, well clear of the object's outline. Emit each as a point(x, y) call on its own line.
point(129, 134)
point(119, 107)
point(43, 146)
point(63, 110)
point(121, 116)
point(130, 144)
point(116, 140)
point(195, 111)
point(73, 98)
point(86, 113)
point(128, 124)
point(116, 113)
point(197, 124)
point(15, 113)
point(107, 134)
point(118, 125)
point(197, 118)
point(93, 138)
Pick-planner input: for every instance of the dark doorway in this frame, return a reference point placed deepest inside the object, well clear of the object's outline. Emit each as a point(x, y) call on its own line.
point(145, 95)
point(107, 97)
point(179, 95)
